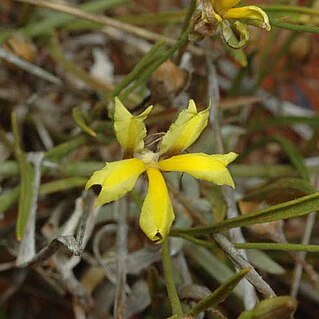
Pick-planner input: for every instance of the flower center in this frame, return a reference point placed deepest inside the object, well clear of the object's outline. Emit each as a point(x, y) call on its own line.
point(149, 158)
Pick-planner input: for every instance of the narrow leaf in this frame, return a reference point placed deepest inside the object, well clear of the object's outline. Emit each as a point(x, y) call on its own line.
point(62, 184)
point(213, 266)
point(8, 198)
point(294, 208)
point(79, 120)
point(26, 181)
point(282, 307)
point(219, 295)
point(289, 186)
point(66, 148)
point(294, 155)
point(263, 262)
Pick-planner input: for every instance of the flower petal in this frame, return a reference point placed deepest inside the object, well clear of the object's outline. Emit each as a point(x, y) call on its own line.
point(251, 15)
point(116, 179)
point(211, 168)
point(130, 130)
point(157, 212)
point(184, 131)
point(224, 5)
point(235, 40)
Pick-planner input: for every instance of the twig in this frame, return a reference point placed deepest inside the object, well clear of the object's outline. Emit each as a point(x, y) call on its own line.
point(253, 277)
point(85, 227)
point(248, 292)
point(15, 285)
point(144, 46)
point(107, 21)
point(302, 255)
point(69, 281)
point(71, 224)
point(122, 230)
point(106, 229)
point(67, 243)
point(29, 67)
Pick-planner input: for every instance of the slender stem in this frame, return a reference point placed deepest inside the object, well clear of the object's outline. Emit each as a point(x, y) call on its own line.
point(183, 38)
point(120, 308)
point(295, 9)
point(294, 27)
point(302, 255)
point(278, 246)
point(216, 118)
point(186, 25)
point(169, 279)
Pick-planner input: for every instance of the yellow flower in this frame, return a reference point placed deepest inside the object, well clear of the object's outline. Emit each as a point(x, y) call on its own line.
point(118, 178)
point(232, 22)
point(248, 14)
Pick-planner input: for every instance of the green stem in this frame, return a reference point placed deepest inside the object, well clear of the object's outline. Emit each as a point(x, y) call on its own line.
point(186, 25)
point(294, 27)
point(285, 8)
point(169, 279)
point(159, 61)
point(133, 75)
point(278, 246)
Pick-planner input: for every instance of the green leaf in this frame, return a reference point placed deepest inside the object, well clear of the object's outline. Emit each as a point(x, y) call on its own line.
point(262, 261)
point(280, 187)
point(214, 194)
point(280, 23)
point(56, 20)
point(219, 295)
point(284, 121)
point(294, 155)
point(288, 147)
point(295, 18)
point(79, 120)
point(26, 181)
point(66, 148)
point(62, 184)
point(290, 10)
point(239, 56)
point(261, 170)
point(294, 208)
point(210, 263)
point(282, 307)
point(25, 196)
point(8, 198)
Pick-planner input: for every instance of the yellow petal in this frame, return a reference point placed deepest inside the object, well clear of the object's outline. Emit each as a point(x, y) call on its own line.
point(235, 40)
point(251, 14)
point(157, 212)
point(116, 179)
point(224, 5)
point(130, 130)
point(211, 168)
point(184, 131)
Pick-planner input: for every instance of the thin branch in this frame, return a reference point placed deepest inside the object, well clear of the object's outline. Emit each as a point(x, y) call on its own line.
point(248, 292)
point(302, 255)
point(122, 232)
point(67, 243)
point(107, 21)
point(29, 67)
point(253, 277)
